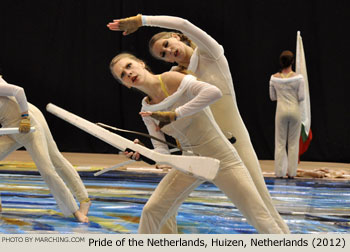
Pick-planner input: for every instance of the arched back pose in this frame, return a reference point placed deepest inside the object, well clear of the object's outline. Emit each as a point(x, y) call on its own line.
point(53, 167)
point(199, 53)
point(177, 104)
point(287, 88)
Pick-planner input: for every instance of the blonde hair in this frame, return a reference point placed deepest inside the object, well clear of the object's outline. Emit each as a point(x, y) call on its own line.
point(166, 35)
point(120, 56)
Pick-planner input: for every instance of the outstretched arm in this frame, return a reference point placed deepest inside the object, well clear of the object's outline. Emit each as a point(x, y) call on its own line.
point(200, 95)
point(204, 42)
point(18, 92)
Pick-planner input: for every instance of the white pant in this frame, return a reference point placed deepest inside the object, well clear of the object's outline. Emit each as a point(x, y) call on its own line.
point(287, 132)
point(158, 213)
point(204, 138)
point(57, 172)
point(228, 118)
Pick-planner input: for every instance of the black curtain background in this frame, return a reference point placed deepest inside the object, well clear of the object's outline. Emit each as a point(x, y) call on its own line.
point(59, 51)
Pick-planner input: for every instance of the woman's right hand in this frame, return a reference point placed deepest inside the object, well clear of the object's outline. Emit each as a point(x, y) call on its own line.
point(131, 154)
point(164, 117)
point(128, 25)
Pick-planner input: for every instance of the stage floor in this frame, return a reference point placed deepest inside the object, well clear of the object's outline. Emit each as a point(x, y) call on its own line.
point(307, 205)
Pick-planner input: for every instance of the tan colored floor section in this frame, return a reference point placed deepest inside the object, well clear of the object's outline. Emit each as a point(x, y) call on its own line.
point(107, 160)
point(80, 159)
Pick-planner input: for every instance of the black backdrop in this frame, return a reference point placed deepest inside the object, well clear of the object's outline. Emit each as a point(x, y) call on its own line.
point(59, 51)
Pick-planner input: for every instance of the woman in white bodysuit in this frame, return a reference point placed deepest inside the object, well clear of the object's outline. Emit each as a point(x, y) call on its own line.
point(53, 167)
point(205, 58)
point(186, 117)
point(287, 88)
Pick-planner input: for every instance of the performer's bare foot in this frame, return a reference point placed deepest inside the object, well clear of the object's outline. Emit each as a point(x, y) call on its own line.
point(81, 217)
point(84, 207)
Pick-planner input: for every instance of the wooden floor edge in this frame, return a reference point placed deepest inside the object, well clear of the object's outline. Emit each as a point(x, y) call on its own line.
point(107, 160)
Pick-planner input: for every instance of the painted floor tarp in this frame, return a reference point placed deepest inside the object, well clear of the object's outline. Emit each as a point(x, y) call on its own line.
point(308, 206)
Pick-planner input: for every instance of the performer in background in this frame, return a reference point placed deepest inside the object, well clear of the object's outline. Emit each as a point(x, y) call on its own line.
point(176, 105)
point(287, 88)
point(194, 50)
point(57, 172)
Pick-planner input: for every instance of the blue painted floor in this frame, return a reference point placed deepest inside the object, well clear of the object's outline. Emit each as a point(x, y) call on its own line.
point(308, 206)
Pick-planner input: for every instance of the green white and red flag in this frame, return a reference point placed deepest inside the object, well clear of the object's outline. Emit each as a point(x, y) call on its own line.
point(305, 109)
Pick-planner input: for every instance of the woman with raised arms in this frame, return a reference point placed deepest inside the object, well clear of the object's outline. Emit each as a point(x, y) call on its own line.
point(177, 105)
point(194, 50)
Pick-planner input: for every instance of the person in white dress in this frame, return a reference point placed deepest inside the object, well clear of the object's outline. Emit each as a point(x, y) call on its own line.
point(198, 53)
point(177, 105)
point(60, 176)
point(287, 88)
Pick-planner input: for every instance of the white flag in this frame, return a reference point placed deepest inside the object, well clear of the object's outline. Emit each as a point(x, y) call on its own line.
point(305, 109)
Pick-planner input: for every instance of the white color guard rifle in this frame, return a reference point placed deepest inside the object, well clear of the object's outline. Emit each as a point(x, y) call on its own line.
point(201, 167)
point(9, 131)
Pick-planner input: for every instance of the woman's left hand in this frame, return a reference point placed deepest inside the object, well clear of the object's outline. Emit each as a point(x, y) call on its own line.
point(24, 125)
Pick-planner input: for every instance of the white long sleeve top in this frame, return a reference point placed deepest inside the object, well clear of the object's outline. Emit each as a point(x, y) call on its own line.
point(191, 97)
point(289, 90)
point(7, 89)
point(208, 62)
